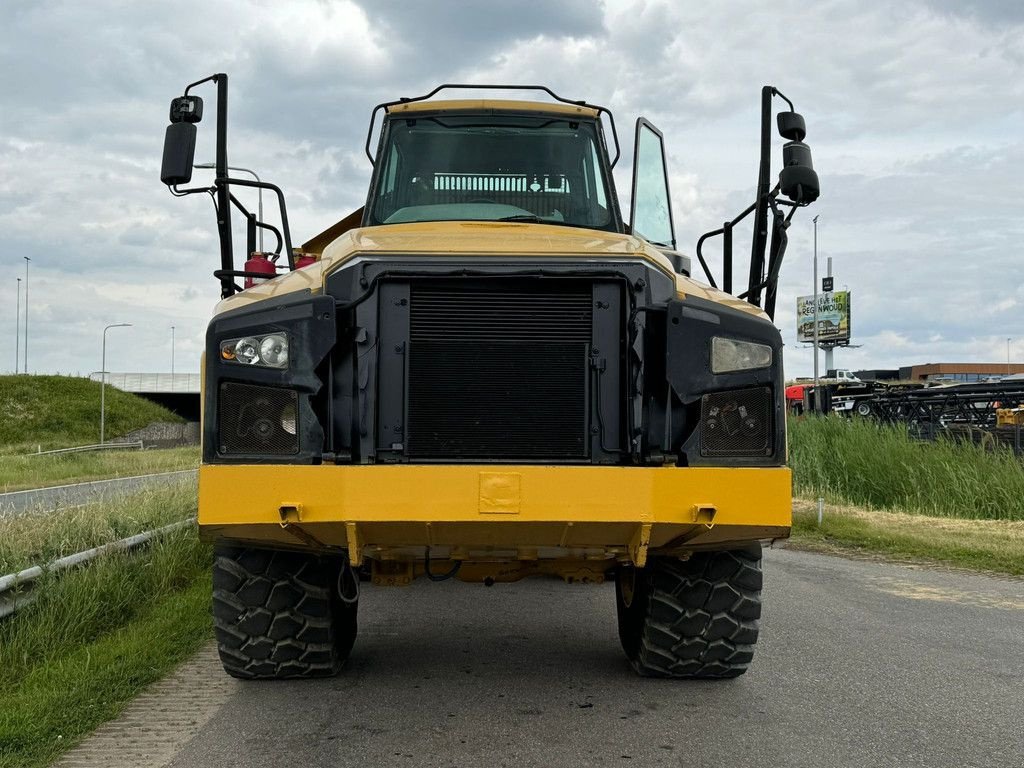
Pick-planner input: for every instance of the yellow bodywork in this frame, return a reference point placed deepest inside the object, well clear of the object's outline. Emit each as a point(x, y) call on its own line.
point(497, 522)
point(484, 239)
point(565, 515)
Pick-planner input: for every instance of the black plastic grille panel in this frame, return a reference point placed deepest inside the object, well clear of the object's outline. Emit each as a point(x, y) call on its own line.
point(251, 420)
point(736, 423)
point(499, 373)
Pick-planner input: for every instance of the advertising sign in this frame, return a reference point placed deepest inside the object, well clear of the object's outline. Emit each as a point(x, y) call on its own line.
point(833, 317)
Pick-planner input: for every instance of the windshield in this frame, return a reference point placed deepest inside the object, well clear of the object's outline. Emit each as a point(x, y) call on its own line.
point(491, 168)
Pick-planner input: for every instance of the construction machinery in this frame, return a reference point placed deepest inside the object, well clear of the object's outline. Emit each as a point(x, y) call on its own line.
point(488, 373)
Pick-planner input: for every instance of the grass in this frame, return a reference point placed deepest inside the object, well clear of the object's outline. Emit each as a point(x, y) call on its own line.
point(878, 467)
point(18, 472)
point(99, 634)
point(64, 411)
point(995, 546)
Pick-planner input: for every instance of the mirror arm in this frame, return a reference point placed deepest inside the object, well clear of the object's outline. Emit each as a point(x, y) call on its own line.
point(760, 239)
point(776, 252)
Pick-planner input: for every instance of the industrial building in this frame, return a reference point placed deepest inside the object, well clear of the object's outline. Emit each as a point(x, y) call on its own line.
point(959, 372)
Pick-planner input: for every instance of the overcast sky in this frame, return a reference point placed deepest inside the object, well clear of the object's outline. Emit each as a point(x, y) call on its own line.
point(914, 113)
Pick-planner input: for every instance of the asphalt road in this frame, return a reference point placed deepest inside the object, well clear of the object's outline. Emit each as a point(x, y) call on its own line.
point(859, 664)
point(18, 502)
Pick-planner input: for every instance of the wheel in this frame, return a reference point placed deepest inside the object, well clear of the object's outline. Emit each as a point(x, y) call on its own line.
point(695, 618)
point(864, 409)
point(280, 614)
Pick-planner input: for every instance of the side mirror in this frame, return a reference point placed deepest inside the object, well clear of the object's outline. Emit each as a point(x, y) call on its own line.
point(186, 109)
point(792, 126)
point(179, 154)
point(797, 178)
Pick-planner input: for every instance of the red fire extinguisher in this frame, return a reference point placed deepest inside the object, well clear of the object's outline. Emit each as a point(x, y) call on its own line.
point(258, 262)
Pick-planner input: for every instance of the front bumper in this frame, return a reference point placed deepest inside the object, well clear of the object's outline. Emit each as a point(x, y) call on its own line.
point(494, 512)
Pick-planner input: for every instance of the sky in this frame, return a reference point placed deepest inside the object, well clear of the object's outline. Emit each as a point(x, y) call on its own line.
point(915, 114)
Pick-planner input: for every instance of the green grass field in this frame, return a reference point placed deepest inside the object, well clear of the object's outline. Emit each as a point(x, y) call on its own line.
point(18, 472)
point(99, 634)
point(64, 411)
point(886, 494)
point(879, 467)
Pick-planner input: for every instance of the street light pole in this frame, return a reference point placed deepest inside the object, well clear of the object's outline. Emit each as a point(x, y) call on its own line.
point(213, 166)
point(17, 332)
point(172, 357)
point(103, 381)
point(1008, 340)
point(27, 260)
point(817, 383)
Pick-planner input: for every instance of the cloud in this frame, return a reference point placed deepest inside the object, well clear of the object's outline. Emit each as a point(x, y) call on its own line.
point(914, 114)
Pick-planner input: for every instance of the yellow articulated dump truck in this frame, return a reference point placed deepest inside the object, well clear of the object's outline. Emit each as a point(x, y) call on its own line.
point(488, 373)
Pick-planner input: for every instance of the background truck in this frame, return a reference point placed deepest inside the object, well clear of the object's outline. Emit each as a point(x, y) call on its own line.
point(488, 373)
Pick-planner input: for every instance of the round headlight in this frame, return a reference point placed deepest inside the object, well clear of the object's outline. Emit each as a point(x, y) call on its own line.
point(247, 351)
point(288, 419)
point(274, 351)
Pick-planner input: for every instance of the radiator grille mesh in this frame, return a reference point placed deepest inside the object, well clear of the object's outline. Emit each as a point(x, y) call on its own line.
point(499, 372)
point(736, 423)
point(257, 420)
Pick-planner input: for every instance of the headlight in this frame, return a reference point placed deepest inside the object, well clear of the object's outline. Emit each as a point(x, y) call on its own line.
point(270, 351)
point(734, 355)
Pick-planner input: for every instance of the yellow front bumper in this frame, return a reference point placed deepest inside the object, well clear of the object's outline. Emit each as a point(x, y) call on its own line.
point(501, 512)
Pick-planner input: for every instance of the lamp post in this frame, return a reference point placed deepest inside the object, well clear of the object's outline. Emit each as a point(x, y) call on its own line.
point(817, 383)
point(172, 357)
point(213, 166)
point(1008, 340)
point(27, 260)
point(17, 332)
point(103, 381)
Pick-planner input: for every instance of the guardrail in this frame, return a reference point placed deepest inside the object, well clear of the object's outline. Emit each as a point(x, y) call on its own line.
point(136, 445)
point(15, 588)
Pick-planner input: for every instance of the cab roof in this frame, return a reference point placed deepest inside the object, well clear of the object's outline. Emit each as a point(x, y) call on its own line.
point(492, 105)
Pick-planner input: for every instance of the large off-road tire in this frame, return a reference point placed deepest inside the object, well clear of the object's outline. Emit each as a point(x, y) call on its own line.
point(278, 614)
point(695, 618)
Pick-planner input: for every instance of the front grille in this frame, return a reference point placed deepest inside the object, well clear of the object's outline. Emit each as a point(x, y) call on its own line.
point(499, 372)
point(736, 423)
point(257, 420)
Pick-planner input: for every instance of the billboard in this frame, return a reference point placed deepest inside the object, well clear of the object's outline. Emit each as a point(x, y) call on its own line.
point(833, 317)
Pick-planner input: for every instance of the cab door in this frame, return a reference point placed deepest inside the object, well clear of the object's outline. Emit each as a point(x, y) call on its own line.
point(651, 204)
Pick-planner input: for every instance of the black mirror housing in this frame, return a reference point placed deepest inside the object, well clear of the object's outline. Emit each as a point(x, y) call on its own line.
point(179, 153)
point(792, 126)
point(186, 109)
point(797, 180)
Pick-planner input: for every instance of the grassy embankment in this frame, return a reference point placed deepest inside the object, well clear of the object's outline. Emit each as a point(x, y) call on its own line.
point(98, 634)
point(885, 493)
point(64, 411)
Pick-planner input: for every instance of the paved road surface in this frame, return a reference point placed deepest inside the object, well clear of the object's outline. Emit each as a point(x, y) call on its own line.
point(860, 664)
point(18, 502)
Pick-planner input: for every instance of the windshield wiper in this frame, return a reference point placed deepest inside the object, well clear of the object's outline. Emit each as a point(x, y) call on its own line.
point(526, 217)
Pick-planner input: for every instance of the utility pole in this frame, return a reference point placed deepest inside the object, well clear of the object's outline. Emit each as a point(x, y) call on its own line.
point(817, 382)
point(172, 358)
point(27, 260)
point(103, 381)
point(1008, 340)
point(17, 332)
